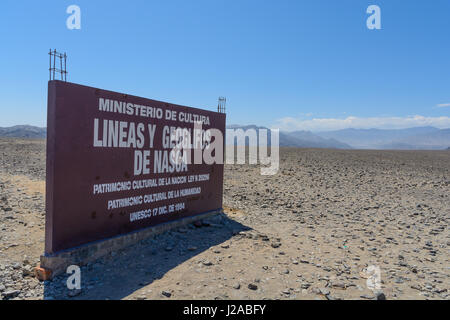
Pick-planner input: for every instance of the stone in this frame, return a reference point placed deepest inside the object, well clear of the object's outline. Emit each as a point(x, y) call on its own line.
point(380, 295)
point(253, 286)
point(286, 291)
point(305, 285)
point(339, 285)
point(398, 280)
point(10, 294)
point(207, 263)
point(198, 224)
point(324, 291)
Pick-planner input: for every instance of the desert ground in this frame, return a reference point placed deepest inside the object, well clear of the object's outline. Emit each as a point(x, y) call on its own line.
point(309, 232)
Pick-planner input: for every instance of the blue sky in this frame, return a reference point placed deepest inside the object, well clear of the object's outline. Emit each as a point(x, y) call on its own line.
point(310, 65)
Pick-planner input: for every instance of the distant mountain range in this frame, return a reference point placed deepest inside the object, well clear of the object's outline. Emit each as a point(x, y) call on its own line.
point(299, 139)
point(421, 138)
point(29, 132)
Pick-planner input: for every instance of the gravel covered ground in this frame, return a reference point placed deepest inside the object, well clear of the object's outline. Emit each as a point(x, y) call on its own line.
point(309, 232)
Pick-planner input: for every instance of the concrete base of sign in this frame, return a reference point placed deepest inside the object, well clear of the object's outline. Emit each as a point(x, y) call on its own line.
point(56, 264)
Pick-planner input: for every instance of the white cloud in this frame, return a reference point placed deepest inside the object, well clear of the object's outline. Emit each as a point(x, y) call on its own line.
point(323, 124)
point(443, 105)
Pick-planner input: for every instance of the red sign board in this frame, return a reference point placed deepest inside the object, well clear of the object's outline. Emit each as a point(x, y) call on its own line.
point(113, 164)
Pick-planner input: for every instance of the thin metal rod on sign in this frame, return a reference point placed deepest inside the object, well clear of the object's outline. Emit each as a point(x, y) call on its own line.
point(221, 105)
point(62, 70)
point(65, 67)
point(50, 64)
point(54, 65)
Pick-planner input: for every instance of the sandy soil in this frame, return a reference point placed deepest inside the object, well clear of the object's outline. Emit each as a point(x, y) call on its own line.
point(309, 232)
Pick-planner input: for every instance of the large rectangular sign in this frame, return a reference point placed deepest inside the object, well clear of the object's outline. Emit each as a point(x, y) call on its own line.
point(117, 163)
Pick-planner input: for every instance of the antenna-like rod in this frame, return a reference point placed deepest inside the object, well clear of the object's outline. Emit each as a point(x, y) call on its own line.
point(222, 105)
point(63, 65)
